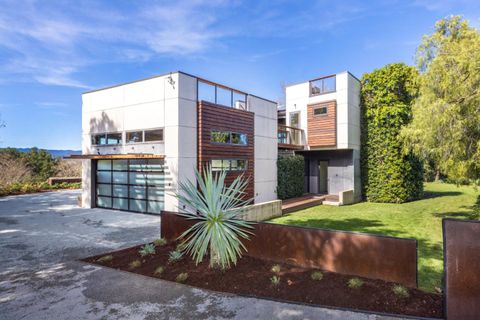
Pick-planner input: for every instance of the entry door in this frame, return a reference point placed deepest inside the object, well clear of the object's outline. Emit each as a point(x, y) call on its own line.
point(323, 177)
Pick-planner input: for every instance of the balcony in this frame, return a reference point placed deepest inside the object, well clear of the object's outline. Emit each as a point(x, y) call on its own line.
point(290, 138)
point(323, 85)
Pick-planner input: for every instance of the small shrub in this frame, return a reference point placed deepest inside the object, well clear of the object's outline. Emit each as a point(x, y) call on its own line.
point(275, 280)
point(160, 242)
point(290, 173)
point(159, 270)
point(104, 259)
point(401, 291)
point(134, 264)
point(175, 256)
point(355, 283)
point(276, 268)
point(316, 275)
point(182, 277)
point(147, 250)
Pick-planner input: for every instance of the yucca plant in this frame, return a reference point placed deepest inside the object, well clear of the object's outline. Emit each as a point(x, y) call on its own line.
point(217, 207)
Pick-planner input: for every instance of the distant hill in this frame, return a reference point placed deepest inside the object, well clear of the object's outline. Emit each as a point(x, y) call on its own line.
point(53, 152)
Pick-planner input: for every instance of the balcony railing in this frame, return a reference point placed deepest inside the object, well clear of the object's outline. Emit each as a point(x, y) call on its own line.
point(290, 137)
point(323, 85)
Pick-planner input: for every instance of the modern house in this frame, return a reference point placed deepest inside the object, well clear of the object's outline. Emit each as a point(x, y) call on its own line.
point(322, 119)
point(140, 139)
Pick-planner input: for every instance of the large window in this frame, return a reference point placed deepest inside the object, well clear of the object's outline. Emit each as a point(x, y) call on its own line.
point(107, 138)
point(228, 137)
point(153, 135)
point(221, 95)
point(323, 85)
point(229, 165)
point(134, 136)
point(320, 111)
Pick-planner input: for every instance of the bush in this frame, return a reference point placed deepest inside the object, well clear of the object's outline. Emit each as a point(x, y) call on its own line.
point(175, 256)
point(355, 283)
point(276, 268)
point(275, 280)
point(316, 275)
point(147, 250)
point(291, 176)
point(388, 173)
point(106, 258)
point(400, 291)
point(134, 264)
point(160, 242)
point(182, 277)
point(159, 270)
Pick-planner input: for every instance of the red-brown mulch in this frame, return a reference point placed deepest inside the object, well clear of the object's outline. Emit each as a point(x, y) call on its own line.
point(251, 277)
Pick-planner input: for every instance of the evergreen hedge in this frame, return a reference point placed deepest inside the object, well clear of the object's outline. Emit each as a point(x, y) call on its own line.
point(389, 174)
point(290, 175)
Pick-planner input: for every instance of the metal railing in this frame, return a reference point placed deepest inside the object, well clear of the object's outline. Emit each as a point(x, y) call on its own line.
point(290, 136)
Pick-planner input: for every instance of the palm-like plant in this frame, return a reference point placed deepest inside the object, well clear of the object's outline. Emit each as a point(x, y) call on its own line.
point(217, 207)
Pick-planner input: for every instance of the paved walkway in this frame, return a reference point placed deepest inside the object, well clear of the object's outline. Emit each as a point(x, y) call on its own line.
point(42, 235)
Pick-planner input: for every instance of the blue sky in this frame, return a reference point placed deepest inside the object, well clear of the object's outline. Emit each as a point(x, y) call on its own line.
point(52, 51)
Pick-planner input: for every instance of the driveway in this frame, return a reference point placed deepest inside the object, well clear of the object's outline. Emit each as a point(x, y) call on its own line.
point(42, 236)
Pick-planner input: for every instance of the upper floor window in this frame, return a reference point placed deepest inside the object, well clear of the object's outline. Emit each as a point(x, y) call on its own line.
point(221, 95)
point(134, 136)
point(107, 138)
point(153, 135)
point(229, 137)
point(229, 165)
point(320, 111)
point(323, 85)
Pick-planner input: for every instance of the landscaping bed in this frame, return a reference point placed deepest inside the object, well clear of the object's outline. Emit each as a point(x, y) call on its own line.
point(257, 277)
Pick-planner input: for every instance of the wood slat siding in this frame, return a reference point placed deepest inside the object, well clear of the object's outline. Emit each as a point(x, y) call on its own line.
point(322, 129)
point(213, 117)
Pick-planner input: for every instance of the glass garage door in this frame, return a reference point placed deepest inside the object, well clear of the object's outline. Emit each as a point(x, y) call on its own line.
point(131, 185)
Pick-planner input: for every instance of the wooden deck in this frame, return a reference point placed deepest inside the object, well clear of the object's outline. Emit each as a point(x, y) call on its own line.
point(305, 201)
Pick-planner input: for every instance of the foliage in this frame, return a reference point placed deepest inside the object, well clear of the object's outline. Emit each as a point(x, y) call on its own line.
point(316, 275)
point(388, 174)
point(276, 268)
point(13, 169)
point(42, 163)
point(106, 258)
point(275, 280)
point(160, 242)
point(182, 277)
point(420, 219)
point(175, 256)
point(134, 264)
point(218, 228)
point(400, 291)
point(290, 175)
point(68, 168)
point(29, 187)
point(147, 249)
point(355, 283)
point(446, 115)
point(159, 270)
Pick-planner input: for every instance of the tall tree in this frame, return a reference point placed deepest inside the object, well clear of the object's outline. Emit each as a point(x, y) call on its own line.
point(446, 115)
point(388, 175)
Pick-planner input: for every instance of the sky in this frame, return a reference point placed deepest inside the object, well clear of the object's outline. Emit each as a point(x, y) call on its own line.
point(53, 51)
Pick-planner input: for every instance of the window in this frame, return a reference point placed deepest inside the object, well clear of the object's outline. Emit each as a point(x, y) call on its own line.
point(154, 135)
point(295, 119)
point(134, 137)
point(98, 139)
point(107, 138)
point(114, 138)
point(228, 137)
point(323, 85)
point(221, 95)
point(320, 111)
point(229, 165)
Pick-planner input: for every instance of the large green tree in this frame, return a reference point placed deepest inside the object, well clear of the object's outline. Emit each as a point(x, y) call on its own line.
point(446, 116)
point(388, 174)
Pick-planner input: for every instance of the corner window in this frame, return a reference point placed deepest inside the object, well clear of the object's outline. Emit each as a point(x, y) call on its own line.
point(323, 85)
point(228, 137)
point(320, 111)
point(107, 139)
point(154, 135)
point(221, 95)
point(99, 139)
point(229, 165)
point(134, 137)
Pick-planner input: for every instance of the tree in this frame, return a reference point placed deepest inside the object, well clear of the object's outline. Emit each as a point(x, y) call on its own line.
point(388, 174)
point(41, 163)
point(446, 115)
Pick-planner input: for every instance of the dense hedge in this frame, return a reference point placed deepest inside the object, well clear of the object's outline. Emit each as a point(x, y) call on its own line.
point(388, 174)
point(32, 187)
point(291, 171)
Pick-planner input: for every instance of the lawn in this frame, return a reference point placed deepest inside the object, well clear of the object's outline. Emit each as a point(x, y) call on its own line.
point(420, 219)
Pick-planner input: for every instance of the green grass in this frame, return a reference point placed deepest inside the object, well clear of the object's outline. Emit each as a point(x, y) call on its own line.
point(420, 219)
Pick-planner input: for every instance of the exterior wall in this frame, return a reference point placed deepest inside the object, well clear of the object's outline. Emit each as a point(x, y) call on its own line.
point(262, 211)
point(215, 117)
point(322, 129)
point(265, 148)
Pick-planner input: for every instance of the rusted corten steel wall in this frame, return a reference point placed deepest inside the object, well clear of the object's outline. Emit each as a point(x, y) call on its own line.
point(461, 244)
point(371, 256)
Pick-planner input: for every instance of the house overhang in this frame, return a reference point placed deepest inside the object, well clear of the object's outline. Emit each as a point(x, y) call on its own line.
point(113, 156)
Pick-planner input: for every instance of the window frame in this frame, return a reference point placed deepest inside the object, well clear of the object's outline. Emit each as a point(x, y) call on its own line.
point(318, 107)
point(105, 136)
point(229, 165)
point(230, 134)
point(154, 129)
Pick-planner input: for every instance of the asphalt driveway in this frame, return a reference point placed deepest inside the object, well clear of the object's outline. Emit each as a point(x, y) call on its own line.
point(42, 236)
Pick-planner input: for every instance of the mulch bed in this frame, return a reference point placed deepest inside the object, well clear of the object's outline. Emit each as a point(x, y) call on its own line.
point(251, 277)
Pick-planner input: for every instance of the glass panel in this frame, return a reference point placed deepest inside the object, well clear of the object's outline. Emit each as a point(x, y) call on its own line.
point(319, 111)
point(99, 139)
point(155, 193)
point(155, 207)
point(120, 177)
point(154, 135)
point(233, 165)
point(220, 136)
point(324, 85)
point(155, 179)
point(104, 176)
point(224, 97)
point(114, 138)
point(239, 100)
point(121, 204)
point(155, 165)
point(104, 189)
point(138, 165)
point(104, 202)
point(295, 120)
point(121, 165)
point(120, 191)
point(137, 192)
point(239, 138)
point(242, 164)
point(206, 92)
point(134, 137)
point(138, 205)
point(138, 178)
point(104, 165)
point(216, 165)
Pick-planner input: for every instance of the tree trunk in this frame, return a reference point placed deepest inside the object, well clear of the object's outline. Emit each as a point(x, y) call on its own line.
point(437, 175)
point(214, 258)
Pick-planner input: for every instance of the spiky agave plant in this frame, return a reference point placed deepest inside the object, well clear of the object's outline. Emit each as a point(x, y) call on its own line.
point(217, 207)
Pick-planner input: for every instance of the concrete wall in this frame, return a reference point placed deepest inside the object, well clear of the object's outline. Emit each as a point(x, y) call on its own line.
point(265, 148)
point(262, 211)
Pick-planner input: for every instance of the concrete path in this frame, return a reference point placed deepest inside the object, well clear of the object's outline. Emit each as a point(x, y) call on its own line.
point(43, 235)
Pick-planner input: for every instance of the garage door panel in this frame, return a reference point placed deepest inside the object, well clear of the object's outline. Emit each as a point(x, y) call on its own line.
point(104, 177)
point(120, 203)
point(104, 202)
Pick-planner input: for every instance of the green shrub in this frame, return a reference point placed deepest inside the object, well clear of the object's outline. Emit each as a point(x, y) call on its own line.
point(316, 275)
point(134, 264)
point(388, 173)
point(147, 250)
point(182, 277)
point(175, 256)
point(291, 176)
point(160, 242)
point(275, 280)
point(401, 291)
point(159, 270)
point(276, 268)
point(104, 259)
point(355, 283)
